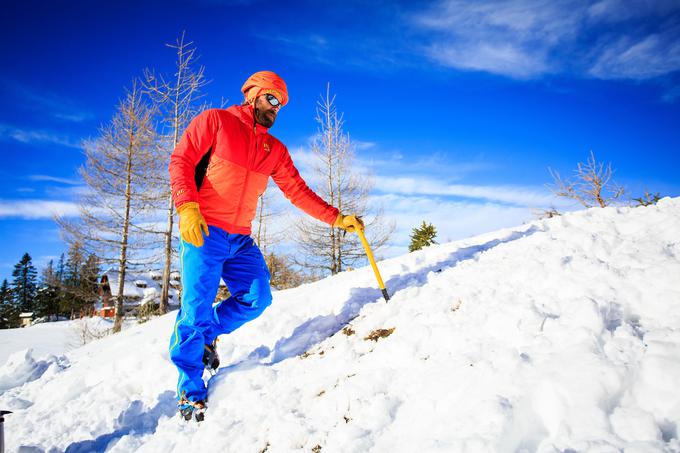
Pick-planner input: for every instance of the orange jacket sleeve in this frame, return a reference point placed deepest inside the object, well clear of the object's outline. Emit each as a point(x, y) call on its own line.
point(197, 140)
point(287, 177)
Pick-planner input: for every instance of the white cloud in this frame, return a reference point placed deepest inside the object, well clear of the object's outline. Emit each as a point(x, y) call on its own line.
point(32, 136)
point(643, 58)
point(388, 163)
point(423, 185)
point(622, 10)
point(303, 159)
point(75, 117)
point(49, 178)
point(360, 145)
point(530, 38)
point(37, 209)
point(502, 58)
point(512, 38)
point(70, 192)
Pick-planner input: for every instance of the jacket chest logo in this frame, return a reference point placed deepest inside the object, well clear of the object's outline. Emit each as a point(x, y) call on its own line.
point(266, 147)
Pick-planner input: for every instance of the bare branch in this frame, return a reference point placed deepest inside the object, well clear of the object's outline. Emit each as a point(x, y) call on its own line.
point(591, 185)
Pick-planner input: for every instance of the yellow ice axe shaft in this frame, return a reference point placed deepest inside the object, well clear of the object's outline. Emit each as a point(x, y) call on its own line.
point(369, 254)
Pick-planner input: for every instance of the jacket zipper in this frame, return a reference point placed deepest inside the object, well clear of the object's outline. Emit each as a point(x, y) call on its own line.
point(245, 182)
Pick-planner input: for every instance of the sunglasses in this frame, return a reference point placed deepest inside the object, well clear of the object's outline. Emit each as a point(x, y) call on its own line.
point(272, 100)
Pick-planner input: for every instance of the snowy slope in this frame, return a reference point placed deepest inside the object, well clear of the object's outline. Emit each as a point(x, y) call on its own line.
point(49, 337)
point(562, 335)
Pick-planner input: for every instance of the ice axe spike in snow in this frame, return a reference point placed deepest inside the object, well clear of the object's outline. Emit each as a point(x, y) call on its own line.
point(2, 430)
point(369, 254)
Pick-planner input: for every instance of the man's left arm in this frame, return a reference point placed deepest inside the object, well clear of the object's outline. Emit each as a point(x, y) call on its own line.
point(287, 177)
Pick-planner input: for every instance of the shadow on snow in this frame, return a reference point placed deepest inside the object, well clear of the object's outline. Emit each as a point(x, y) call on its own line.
point(131, 421)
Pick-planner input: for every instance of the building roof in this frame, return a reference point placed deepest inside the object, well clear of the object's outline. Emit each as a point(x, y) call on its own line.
point(143, 287)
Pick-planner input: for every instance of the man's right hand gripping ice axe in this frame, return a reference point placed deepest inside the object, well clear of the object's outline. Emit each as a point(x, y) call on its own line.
point(192, 224)
point(350, 223)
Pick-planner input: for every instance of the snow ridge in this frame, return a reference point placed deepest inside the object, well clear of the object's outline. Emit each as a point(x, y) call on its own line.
point(560, 335)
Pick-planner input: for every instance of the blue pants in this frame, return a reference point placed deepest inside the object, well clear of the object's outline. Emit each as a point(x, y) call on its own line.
point(238, 261)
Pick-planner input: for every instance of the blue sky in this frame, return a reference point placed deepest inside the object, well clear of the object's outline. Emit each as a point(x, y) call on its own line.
point(457, 108)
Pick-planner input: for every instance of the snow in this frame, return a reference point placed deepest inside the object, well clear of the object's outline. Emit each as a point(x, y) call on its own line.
point(559, 335)
point(21, 367)
point(49, 338)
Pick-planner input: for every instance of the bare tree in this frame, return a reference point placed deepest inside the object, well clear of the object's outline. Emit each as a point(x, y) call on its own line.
point(176, 99)
point(117, 172)
point(591, 185)
point(549, 213)
point(329, 249)
point(264, 234)
point(283, 273)
point(83, 333)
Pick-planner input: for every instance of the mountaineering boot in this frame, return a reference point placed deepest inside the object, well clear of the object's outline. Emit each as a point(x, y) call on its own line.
point(211, 360)
point(191, 409)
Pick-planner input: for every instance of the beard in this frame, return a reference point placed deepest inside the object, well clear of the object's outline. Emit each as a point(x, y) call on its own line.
point(266, 118)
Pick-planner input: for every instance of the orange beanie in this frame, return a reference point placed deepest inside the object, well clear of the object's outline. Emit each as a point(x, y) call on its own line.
point(264, 82)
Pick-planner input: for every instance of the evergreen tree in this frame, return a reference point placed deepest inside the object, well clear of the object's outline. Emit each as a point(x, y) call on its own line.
point(79, 281)
point(24, 285)
point(71, 303)
point(89, 282)
point(422, 236)
point(60, 270)
point(49, 294)
point(9, 314)
point(59, 273)
point(74, 264)
point(47, 302)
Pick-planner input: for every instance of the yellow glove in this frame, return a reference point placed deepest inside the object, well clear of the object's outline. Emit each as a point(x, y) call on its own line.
point(191, 222)
point(350, 222)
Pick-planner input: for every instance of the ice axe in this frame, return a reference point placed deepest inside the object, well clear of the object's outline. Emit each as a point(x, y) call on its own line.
point(369, 254)
point(2, 430)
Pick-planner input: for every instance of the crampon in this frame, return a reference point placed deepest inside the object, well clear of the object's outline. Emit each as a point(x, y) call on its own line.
point(211, 360)
point(192, 409)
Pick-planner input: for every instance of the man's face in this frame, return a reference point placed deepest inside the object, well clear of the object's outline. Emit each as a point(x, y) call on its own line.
point(265, 113)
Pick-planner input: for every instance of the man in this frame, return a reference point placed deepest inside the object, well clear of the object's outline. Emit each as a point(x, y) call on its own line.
point(217, 172)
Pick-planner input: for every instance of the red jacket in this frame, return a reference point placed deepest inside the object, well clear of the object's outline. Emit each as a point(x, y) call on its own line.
point(243, 157)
